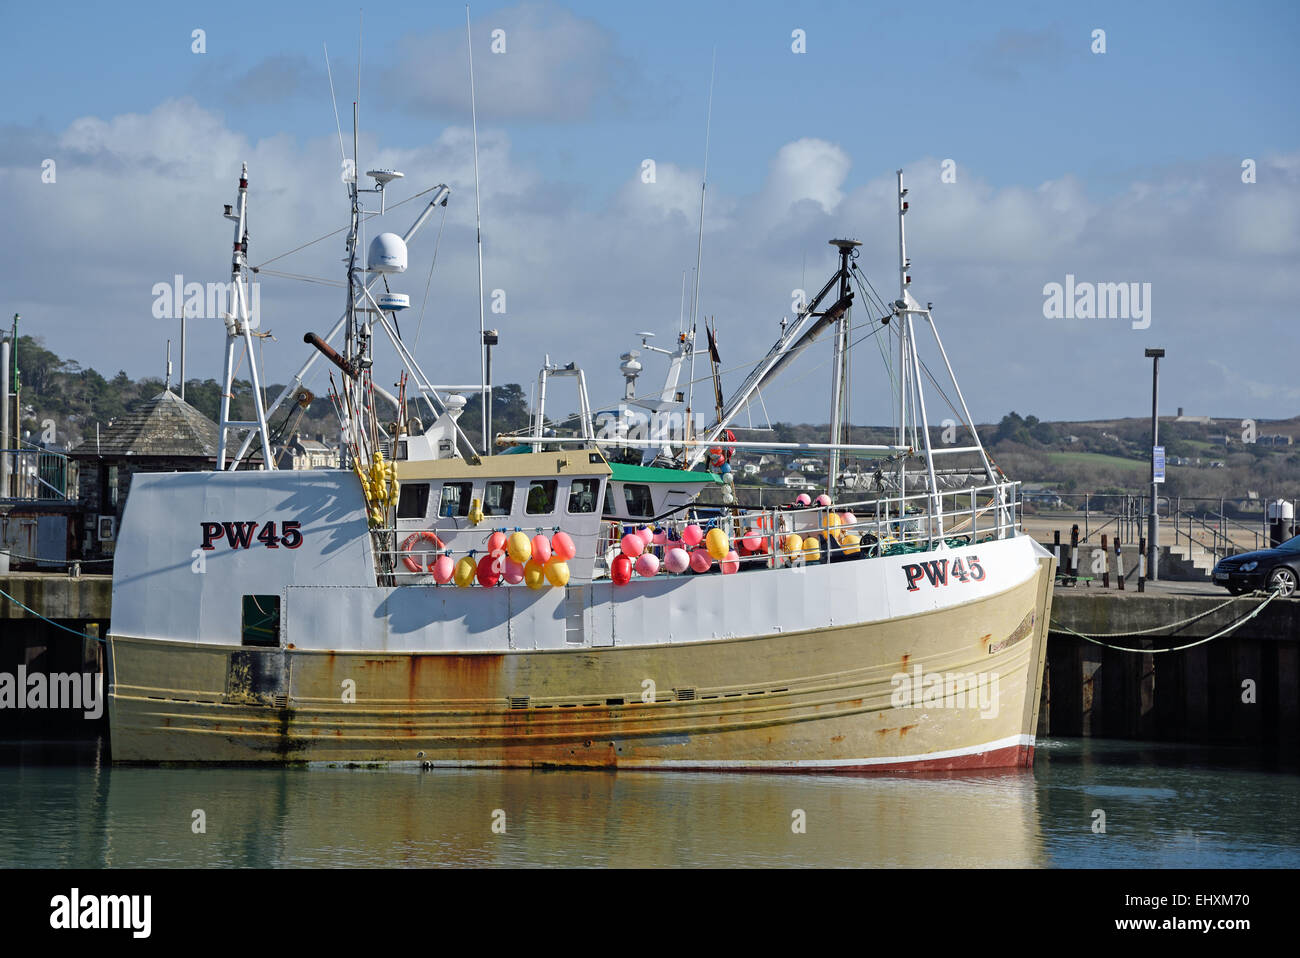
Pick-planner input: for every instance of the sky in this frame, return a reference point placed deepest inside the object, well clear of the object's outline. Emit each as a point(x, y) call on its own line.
point(1163, 152)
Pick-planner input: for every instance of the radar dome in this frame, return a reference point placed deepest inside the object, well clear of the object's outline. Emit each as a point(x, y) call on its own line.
point(388, 254)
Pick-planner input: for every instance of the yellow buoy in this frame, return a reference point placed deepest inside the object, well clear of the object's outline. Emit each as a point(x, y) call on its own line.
point(850, 540)
point(811, 549)
point(519, 547)
point(534, 575)
point(463, 576)
point(557, 572)
point(832, 523)
point(717, 544)
point(793, 544)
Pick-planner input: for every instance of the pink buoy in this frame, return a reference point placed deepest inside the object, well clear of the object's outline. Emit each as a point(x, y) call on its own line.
point(541, 548)
point(751, 540)
point(660, 537)
point(443, 568)
point(562, 547)
point(802, 499)
point(731, 564)
point(848, 519)
point(647, 534)
point(632, 545)
point(701, 560)
point(823, 500)
point(496, 543)
point(514, 571)
point(677, 561)
point(647, 564)
point(692, 535)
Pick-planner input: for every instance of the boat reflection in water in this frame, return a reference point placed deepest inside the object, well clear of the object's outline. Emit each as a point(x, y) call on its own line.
point(258, 817)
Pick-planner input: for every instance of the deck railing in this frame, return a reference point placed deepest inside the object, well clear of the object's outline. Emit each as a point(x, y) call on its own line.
point(887, 525)
point(38, 474)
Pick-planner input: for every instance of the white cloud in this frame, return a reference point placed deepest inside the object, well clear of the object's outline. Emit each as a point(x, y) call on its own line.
point(555, 66)
point(138, 199)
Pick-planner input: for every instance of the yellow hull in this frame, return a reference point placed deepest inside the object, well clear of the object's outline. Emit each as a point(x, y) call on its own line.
point(824, 699)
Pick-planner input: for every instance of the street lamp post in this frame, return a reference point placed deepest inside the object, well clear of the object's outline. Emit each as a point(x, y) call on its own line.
point(1153, 521)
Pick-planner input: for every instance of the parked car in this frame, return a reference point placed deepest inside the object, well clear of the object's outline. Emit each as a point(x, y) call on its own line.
point(1275, 570)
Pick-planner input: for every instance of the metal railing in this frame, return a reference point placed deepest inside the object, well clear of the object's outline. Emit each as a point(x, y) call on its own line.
point(888, 525)
point(1215, 525)
point(38, 475)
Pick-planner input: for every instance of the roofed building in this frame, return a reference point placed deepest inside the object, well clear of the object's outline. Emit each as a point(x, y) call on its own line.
point(163, 434)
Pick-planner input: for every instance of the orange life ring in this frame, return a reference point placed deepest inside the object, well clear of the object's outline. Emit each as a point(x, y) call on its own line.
point(409, 560)
point(720, 455)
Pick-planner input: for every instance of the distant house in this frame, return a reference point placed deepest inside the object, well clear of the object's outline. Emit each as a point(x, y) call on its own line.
point(1274, 440)
point(1220, 440)
point(304, 452)
point(163, 434)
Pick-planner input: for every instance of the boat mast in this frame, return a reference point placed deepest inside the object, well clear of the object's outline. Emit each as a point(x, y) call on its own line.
point(903, 280)
point(239, 324)
point(911, 385)
point(699, 251)
point(839, 384)
point(486, 395)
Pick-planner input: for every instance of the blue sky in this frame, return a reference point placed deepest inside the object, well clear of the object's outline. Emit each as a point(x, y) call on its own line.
point(1115, 167)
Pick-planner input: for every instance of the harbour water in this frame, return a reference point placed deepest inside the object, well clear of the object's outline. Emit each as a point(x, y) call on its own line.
point(1163, 806)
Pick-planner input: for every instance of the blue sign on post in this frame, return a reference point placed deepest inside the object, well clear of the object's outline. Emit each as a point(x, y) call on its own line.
point(1158, 463)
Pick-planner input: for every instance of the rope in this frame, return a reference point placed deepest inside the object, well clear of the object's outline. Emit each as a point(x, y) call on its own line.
point(1171, 625)
point(50, 621)
point(65, 562)
point(438, 242)
point(1178, 648)
point(341, 229)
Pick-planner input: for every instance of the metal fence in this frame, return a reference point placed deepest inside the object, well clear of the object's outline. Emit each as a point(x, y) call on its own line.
point(37, 474)
point(1216, 526)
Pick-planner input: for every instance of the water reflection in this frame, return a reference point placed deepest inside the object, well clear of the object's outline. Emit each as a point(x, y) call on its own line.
point(1159, 810)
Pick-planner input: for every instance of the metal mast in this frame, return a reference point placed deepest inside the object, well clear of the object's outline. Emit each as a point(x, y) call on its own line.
point(839, 384)
point(486, 394)
point(903, 280)
point(239, 326)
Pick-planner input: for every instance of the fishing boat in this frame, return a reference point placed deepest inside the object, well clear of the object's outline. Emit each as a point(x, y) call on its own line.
point(605, 599)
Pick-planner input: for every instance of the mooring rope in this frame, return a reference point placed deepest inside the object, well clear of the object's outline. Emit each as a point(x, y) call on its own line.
point(1178, 648)
point(1170, 625)
point(50, 621)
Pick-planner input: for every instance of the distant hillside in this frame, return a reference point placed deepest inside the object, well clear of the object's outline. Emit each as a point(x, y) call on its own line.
point(76, 398)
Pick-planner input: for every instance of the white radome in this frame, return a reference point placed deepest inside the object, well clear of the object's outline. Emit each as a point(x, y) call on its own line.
point(388, 254)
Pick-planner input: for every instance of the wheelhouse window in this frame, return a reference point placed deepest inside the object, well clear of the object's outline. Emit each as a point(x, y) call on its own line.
point(413, 500)
point(637, 497)
point(582, 495)
point(455, 499)
point(609, 509)
point(541, 497)
point(260, 622)
point(498, 498)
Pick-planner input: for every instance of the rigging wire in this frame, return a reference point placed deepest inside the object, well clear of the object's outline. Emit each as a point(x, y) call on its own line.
point(420, 325)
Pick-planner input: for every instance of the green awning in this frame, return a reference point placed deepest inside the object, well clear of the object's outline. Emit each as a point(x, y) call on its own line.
point(624, 472)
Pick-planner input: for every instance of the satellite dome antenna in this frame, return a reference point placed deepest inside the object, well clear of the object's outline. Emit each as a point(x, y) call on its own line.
point(382, 178)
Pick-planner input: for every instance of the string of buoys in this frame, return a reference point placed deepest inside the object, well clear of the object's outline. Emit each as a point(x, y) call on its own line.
point(696, 548)
point(538, 563)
